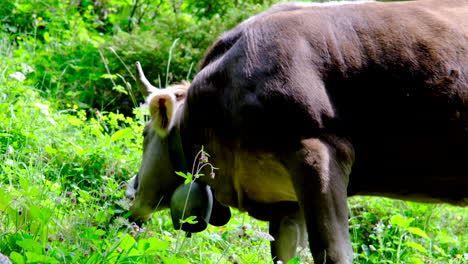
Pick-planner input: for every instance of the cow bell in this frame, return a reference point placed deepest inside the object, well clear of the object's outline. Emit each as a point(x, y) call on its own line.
point(193, 199)
point(220, 215)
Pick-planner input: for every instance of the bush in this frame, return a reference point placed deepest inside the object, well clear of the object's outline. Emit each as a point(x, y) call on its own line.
point(76, 54)
point(169, 47)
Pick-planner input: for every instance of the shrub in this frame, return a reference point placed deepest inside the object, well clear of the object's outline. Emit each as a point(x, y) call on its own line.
point(75, 54)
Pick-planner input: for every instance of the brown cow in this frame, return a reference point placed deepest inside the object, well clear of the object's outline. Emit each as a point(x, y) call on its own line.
point(304, 105)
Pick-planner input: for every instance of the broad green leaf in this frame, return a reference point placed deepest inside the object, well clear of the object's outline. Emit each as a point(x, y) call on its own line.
point(99, 232)
point(418, 231)
point(174, 260)
point(440, 250)
point(84, 195)
point(189, 178)
point(38, 258)
point(190, 220)
point(400, 221)
point(120, 89)
point(16, 258)
point(101, 217)
point(30, 245)
point(152, 244)
point(143, 245)
point(294, 261)
point(46, 37)
point(133, 252)
point(24, 183)
point(126, 242)
point(5, 199)
point(416, 246)
point(109, 76)
point(33, 191)
point(181, 174)
point(112, 257)
point(121, 134)
point(95, 258)
point(34, 213)
point(415, 260)
point(73, 120)
point(50, 150)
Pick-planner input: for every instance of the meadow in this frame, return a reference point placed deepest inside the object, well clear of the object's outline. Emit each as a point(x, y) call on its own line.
point(71, 121)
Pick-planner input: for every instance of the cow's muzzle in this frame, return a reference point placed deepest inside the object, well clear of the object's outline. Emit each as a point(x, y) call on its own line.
point(132, 186)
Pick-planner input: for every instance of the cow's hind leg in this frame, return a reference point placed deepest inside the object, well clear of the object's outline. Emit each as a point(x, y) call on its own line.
point(289, 233)
point(319, 172)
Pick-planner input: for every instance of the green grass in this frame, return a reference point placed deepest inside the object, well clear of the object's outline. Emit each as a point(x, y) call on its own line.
point(391, 231)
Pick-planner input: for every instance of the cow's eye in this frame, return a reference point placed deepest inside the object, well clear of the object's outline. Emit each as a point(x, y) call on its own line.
point(179, 95)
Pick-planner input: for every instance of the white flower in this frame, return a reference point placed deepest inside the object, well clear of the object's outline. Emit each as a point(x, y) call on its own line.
point(44, 108)
point(19, 76)
point(51, 120)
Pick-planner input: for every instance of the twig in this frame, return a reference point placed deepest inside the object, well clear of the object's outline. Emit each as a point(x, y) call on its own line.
point(123, 63)
point(169, 60)
point(132, 13)
point(107, 68)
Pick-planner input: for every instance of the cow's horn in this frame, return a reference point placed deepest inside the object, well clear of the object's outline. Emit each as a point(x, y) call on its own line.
point(143, 84)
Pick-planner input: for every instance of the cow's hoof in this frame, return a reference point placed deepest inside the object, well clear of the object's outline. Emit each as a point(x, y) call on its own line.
point(135, 220)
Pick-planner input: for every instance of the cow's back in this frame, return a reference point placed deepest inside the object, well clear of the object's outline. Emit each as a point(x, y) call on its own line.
point(391, 77)
point(407, 110)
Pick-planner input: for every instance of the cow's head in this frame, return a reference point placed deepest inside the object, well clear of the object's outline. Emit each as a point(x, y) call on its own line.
point(152, 187)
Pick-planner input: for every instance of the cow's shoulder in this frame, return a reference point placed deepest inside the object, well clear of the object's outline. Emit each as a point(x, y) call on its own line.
point(228, 38)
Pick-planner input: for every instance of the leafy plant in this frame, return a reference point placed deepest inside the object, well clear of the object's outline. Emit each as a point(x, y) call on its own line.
point(400, 232)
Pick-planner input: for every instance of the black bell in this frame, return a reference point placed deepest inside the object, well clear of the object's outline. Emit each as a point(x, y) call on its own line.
point(192, 199)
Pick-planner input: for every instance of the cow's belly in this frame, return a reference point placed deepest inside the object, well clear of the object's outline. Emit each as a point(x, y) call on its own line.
point(262, 179)
point(246, 180)
point(421, 197)
point(438, 187)
point(414, 165)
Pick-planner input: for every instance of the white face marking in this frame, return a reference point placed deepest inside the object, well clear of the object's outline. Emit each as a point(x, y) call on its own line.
point(131, 191)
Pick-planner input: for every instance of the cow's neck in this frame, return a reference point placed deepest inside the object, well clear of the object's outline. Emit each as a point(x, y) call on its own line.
point(189, 145)
point(176, 151)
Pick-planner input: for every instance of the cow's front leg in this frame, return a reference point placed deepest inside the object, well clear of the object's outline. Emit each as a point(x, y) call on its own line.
point(320, 172)
point(289, 233)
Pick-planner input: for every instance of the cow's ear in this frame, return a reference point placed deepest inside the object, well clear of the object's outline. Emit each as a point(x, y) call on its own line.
point(162, 109)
